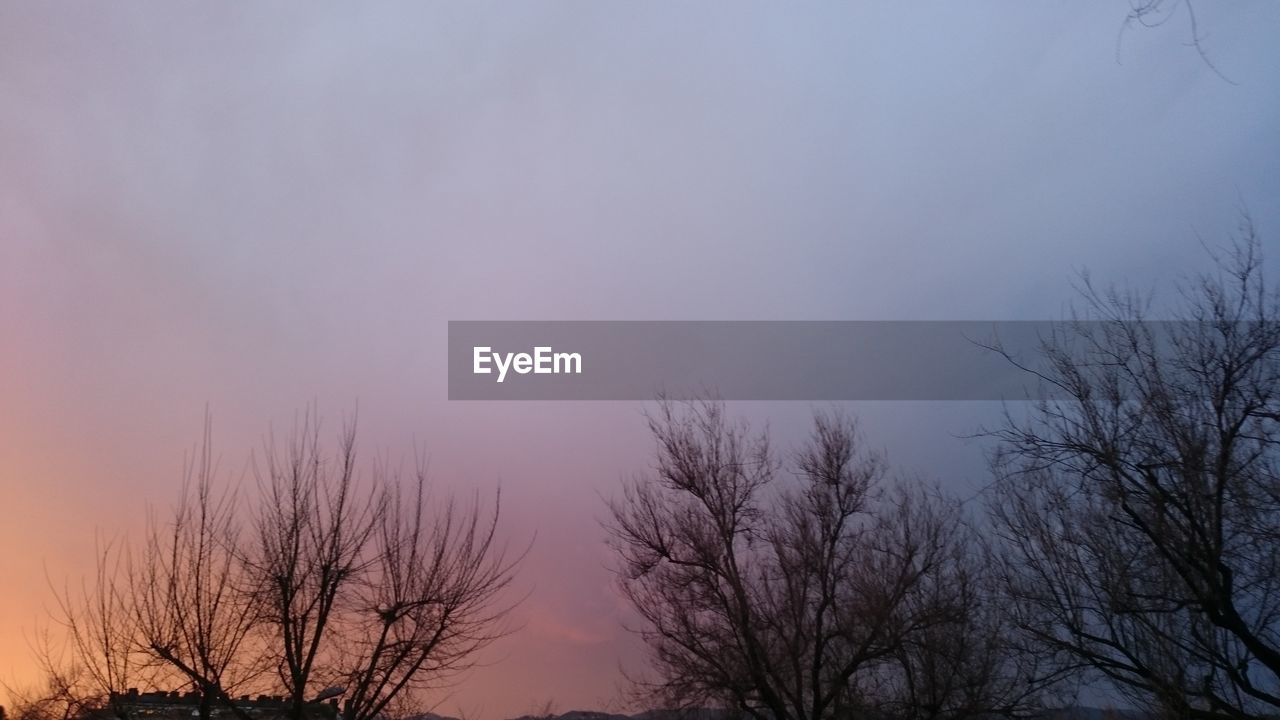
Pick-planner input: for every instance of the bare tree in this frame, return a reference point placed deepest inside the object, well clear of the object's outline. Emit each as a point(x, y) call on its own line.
point(360, 588)
point(98, 657)
point(975, 664)
point(63, 693)
point(340, 584)
point(805, 601)
point(1155, 13)
point(431, 601)
point(192, 615)
point(172, 613)
point(313, 540)
point(1140, 505)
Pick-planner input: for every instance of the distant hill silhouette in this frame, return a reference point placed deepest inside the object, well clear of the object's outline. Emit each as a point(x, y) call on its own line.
point(1070, 713)
point(1092, 713)
point(692, 714)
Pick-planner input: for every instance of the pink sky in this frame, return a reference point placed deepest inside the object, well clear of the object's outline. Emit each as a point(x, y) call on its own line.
point(258, 207)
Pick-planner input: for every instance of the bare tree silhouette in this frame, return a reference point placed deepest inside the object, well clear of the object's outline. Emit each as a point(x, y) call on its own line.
point(62, 694)
point(326, 581)
point(1155, 13)
point(1140, 512)
point(838, 594)
point(191, 613)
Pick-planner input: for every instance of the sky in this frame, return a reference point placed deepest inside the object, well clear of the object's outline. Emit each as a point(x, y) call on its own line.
point(257, 207)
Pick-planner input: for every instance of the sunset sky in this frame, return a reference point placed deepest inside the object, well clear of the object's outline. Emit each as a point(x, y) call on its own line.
point(257, 207)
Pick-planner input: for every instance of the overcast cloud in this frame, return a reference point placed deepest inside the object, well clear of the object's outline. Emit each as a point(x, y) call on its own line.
point(258, 206)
